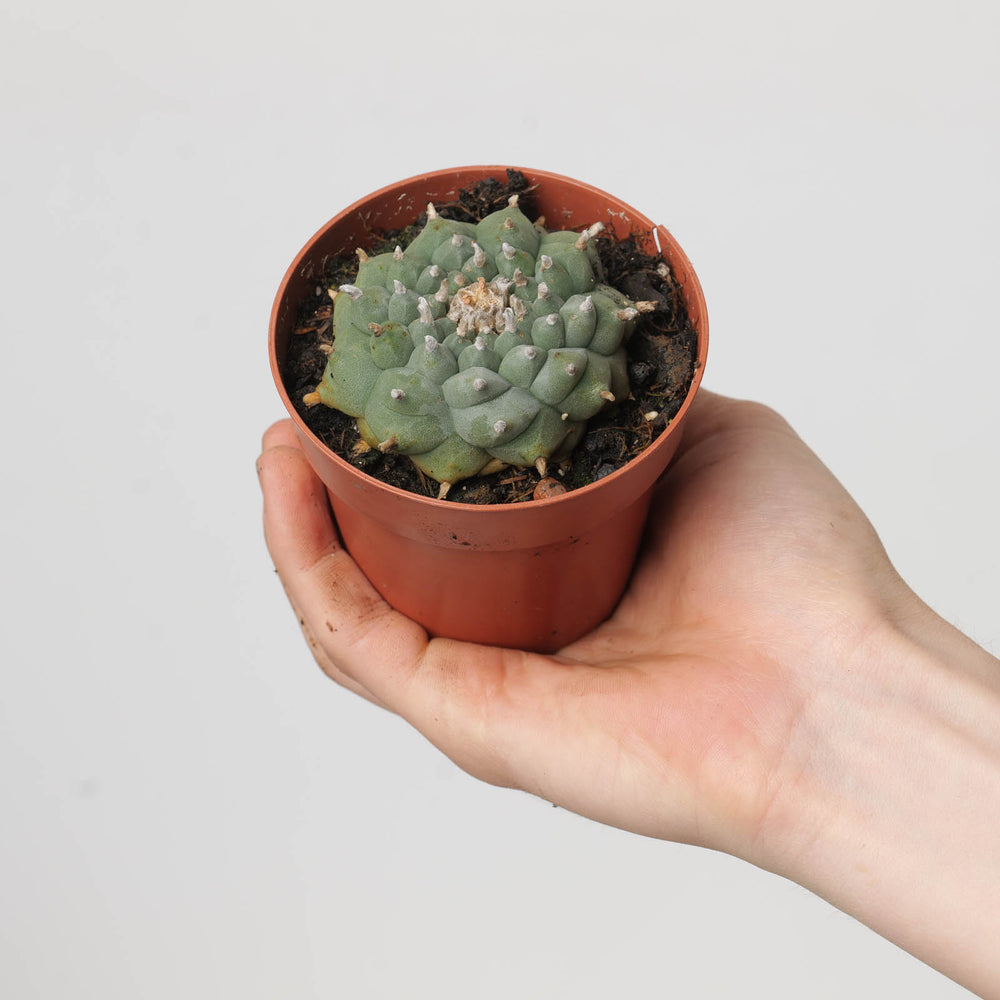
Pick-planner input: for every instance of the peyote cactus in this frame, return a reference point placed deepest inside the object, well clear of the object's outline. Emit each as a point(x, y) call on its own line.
point(478, 346)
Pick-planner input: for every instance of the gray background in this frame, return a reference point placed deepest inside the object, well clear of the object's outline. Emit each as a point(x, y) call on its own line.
point(190, 809)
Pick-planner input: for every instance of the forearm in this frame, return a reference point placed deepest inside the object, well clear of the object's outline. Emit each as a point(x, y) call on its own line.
point(901, 797)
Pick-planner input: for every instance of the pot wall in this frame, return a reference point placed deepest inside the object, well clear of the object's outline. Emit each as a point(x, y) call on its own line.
point(534, 575)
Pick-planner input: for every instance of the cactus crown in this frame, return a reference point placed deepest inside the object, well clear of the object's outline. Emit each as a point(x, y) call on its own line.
point(478, 345)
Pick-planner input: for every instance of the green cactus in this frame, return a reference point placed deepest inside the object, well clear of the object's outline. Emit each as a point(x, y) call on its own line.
point(478, 345)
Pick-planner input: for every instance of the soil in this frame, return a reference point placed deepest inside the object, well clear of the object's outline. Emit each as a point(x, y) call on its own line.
point(662, 355)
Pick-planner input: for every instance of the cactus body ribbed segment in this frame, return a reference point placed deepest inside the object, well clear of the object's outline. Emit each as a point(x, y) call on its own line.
point(478, 343)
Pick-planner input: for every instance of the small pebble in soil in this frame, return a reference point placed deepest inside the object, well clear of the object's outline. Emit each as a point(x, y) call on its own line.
point(548, 487)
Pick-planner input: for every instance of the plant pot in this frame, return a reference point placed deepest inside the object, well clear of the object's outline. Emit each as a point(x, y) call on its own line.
point(533, 575)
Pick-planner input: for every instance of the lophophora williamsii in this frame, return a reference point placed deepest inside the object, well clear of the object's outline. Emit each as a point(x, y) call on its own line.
point(478, 345)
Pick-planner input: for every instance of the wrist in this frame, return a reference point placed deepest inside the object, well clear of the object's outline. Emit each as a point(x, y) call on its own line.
point(890, 807)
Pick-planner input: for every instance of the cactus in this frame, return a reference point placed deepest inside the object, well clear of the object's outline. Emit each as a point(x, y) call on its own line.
point(478, 345)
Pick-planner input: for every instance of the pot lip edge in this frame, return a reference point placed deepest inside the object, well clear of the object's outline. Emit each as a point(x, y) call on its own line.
point(578, 495)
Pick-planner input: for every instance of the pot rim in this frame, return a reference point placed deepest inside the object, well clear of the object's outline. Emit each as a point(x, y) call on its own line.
point(637, 222)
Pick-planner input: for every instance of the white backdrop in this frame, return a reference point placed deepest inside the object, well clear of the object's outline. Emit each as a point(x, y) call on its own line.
point(190, 809)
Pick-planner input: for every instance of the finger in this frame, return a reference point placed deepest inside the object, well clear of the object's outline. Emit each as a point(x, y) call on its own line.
point(283, 435)
point(354, 626)
point(282, 432)
point(326, 663)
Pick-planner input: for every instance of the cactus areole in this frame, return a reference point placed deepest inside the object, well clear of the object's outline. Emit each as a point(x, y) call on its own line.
point(479, 345)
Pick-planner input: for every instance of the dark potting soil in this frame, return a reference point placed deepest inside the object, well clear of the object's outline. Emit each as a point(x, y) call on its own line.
point(662, 355)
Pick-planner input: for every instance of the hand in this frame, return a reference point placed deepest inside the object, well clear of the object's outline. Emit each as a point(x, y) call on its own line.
point(672, 719)
point(721, 704)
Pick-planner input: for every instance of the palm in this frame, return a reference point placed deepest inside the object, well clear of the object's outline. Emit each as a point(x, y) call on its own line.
point(747, 561)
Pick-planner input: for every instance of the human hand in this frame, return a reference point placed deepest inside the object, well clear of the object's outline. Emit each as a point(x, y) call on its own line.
point(767, 686)
point(675, 717)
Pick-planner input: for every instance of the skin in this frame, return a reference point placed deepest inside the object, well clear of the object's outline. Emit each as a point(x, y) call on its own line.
point(768, 686)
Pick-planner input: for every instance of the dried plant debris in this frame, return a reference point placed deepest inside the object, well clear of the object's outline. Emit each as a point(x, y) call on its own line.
point(661, 357)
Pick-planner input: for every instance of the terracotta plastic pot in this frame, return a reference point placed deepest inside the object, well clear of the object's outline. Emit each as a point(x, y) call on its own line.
point(533, 575)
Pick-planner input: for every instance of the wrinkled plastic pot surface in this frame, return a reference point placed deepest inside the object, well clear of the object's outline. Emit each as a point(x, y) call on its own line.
point(532, 575)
